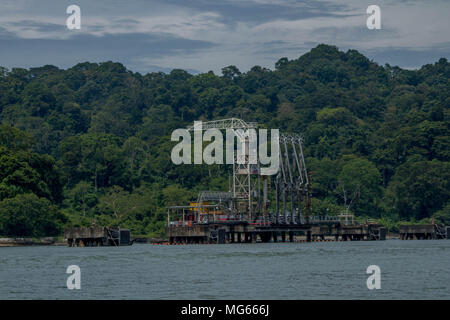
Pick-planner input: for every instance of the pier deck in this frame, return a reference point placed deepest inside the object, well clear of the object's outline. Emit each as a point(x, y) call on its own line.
point(242, 231)
point(422, 232)
point(97, 236)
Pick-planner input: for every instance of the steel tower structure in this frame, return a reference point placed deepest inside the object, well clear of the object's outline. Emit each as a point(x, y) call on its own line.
point(246, 178)
point(292, 185)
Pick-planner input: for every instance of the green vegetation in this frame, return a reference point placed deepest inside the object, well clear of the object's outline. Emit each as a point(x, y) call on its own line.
point(92, 143)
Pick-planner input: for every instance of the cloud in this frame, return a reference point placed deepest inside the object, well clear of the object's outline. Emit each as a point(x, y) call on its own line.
point(131, 49)
point(209, 34)
point(408, 58)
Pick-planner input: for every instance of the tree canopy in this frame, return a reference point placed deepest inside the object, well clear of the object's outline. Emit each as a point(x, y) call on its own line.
point(91, 140)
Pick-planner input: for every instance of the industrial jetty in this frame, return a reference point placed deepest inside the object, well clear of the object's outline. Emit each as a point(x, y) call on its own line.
point(243, 213)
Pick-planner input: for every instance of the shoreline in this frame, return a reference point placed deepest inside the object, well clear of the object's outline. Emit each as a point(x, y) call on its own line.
point(56, 241)
point(29, 242)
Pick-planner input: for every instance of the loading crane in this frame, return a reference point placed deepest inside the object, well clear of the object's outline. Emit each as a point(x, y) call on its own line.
point(242, 213)
point(291, 182)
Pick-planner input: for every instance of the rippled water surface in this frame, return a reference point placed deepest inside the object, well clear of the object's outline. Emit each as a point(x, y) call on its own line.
point(329, 270)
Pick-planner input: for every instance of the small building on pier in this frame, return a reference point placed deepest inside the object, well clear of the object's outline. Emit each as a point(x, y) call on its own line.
point(97, 236)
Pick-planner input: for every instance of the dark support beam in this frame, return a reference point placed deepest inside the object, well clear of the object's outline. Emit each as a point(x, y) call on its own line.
point(277, 200)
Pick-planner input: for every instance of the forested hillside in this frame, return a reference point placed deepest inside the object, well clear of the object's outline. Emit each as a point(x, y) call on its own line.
point(92, 143)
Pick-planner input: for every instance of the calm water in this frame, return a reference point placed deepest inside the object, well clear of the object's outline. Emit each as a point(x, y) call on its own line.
point(333, 270)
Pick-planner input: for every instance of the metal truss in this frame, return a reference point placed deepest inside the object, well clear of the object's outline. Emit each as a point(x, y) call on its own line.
point(208, 195)
point(245, 189)
point(231, 123)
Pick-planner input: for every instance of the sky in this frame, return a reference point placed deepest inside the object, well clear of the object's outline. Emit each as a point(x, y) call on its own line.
point(203, 35)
